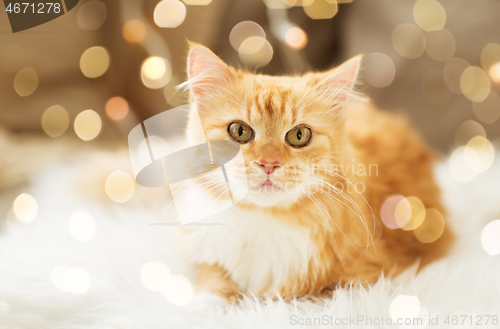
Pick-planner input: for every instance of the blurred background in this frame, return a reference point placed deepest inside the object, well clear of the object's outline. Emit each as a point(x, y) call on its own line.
point(87, 78)
point(72, 89)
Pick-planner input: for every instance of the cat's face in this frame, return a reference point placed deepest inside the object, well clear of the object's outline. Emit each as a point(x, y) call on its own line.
point(290, 128)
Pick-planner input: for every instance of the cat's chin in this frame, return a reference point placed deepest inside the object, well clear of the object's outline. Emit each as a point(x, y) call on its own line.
point(270, 196)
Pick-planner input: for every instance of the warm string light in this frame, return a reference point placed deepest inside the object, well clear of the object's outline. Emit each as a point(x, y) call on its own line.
point(490, 238)
point(404, 307)
point(26, 81)
point(475, 84)
point(249, 39)
point(197, 2)
point(410, 214)
point(87, 125)
point(55, 121)
point(134, 31)
point(25, 208)
point(379, 69)
point(320, 9)
point(408, 40)
point(156, 72)
point(94, 62)
point(440, 45)
point(296, 37)
point(169, 13)
point(117, 108)
point(429, 15)
point(120, 186)
point(177, 289)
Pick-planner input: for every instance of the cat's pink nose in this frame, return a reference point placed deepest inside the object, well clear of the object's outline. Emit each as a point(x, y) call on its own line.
point(269, 165)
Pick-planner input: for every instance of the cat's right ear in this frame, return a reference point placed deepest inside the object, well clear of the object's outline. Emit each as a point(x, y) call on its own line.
point(206, 71)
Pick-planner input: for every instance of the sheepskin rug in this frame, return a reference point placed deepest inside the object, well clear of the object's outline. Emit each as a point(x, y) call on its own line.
point(466, 284)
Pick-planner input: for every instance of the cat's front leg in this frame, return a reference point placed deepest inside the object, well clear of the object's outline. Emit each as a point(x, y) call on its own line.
point(215, 279)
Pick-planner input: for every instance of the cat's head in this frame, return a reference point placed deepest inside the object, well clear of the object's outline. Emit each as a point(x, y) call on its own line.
point(290, 128)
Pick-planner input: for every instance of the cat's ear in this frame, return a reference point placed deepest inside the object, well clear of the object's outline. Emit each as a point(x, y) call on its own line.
point(339, 82)
point(205, 70)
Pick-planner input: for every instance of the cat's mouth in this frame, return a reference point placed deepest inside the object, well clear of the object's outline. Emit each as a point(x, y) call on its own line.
point(267, 183)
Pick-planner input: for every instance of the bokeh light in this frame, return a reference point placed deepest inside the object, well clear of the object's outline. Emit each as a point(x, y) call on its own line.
point(431, 228)
point(320, 9)
point(417, 213)
point(117, 108)
point(55, 121)
point(452, 72)
point(408, 40)
point(488, 111)
point(155, 276)
point(395, 212)
point(494, 72)
point(479, 154)
point(81, 226)
point(77, 280)
point(134, 31)
point(255, 52)
point(434, 88)
point(12, 58)
point(440, 45)
point(379, 69)
point(25, 207)
point(429, 15)
point(490, 55)
point(404, 307)
point(458, 166)
point(156, 72)
point(490, 237)
point(279, 4)
point(244, 30)
point(169, 13)
point(26, 81)
point(87, 125)
point(91, 15)
point(467, 130)
point(58, 276)
point(197, 2)
point(475, 84)
point(94, 62)
point(296, 37)
point(119, 186)
point(179, 291)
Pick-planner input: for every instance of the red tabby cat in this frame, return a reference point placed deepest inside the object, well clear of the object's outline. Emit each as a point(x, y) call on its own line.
point(319, 165)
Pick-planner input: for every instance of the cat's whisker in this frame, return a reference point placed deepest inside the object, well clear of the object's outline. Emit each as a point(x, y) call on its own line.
point(311, 197)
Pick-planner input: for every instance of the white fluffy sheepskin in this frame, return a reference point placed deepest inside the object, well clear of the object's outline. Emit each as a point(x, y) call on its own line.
point(467, 282)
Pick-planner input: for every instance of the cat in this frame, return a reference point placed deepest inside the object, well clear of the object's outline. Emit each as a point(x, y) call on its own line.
point(320, 162)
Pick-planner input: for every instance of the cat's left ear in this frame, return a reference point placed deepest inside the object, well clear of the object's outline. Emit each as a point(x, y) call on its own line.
point(206, 71)
point(339, 82)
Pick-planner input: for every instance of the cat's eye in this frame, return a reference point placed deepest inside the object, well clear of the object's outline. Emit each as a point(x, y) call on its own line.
point(299, 136)
point(240, 132)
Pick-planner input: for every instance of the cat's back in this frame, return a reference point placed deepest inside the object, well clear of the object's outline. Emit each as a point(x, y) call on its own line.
point(383, 138)
point(404, 166)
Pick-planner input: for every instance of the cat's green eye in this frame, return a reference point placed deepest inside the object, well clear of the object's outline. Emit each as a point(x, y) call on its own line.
point(240, 132)
point(299, 136)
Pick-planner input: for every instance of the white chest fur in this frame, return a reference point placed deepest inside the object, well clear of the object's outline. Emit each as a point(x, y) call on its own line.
point(253, 247)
